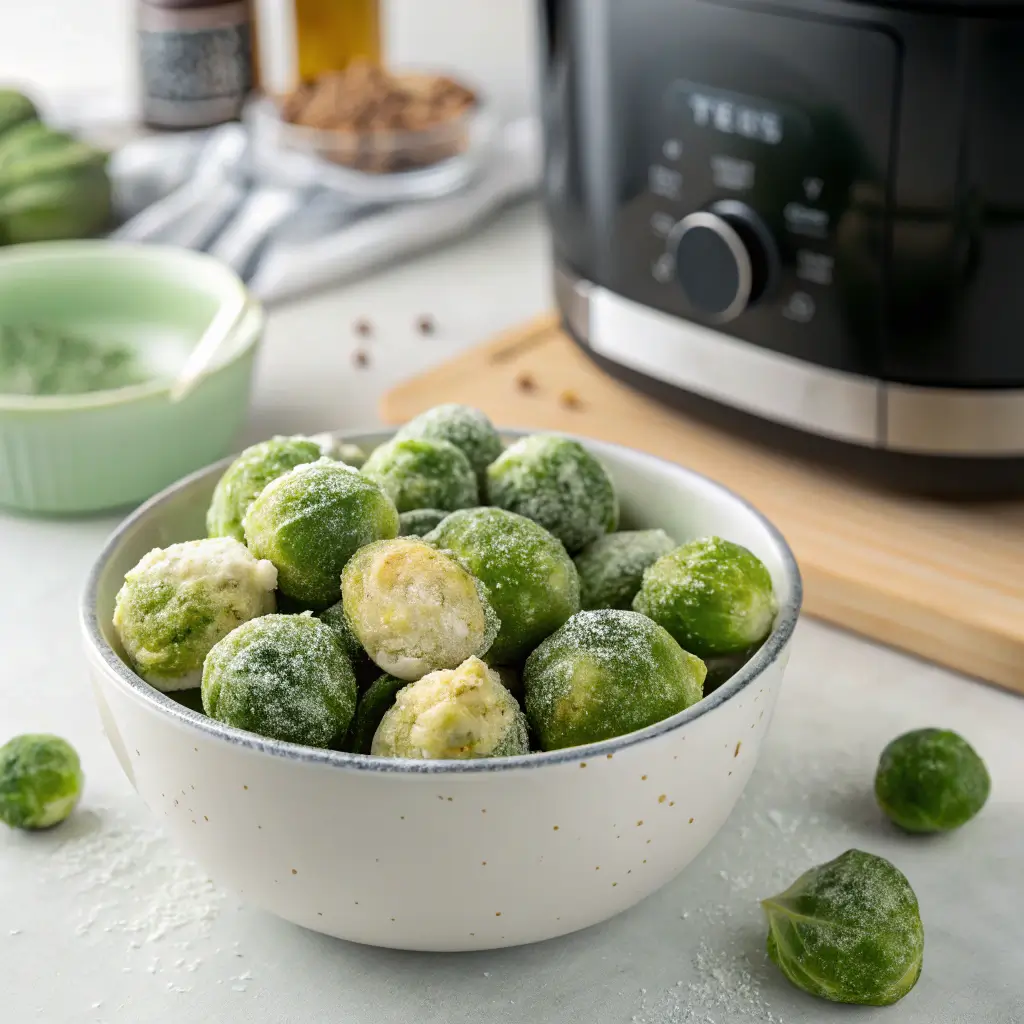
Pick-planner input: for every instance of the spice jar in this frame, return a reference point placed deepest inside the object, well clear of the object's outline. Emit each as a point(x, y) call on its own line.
point(300, 40)
point(196, 61)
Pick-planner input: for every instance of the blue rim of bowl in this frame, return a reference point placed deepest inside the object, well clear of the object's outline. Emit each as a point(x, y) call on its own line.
point(138, 688)
point(107, 249)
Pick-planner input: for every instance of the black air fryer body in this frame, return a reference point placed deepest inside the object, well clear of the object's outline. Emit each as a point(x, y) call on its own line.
point(808, 213)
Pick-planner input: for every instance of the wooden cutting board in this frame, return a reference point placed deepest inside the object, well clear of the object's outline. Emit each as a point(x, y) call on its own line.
point(942, 580)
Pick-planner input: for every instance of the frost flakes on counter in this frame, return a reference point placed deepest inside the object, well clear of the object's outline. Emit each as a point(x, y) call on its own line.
point(149, 891)
point(727, 990)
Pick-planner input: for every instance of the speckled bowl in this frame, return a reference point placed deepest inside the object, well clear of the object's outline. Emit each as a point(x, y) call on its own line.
point(446, 855)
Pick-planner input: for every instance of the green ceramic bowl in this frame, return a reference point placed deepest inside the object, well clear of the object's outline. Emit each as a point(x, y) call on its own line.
point(109, 449)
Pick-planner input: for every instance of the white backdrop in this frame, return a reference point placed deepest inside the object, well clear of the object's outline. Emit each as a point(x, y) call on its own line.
point(71, 49)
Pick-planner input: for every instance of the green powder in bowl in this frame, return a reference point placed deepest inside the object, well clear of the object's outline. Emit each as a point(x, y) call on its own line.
point(38, 360)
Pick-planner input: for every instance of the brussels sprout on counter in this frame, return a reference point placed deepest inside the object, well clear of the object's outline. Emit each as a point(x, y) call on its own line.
point(607, 673)
point(713, 596)
point(931, 780)
point(556, 482)
point(466, 428)
point(612, 567)
point(423, 474)
point(310, 521)
point(40, 781)
point(530, 580)
point(284, 677)
point(246, 477)
point(379, 696)
point(450, 714)
point(416, 609)
point(420, 521)
point(849, 931)
point(179, 601)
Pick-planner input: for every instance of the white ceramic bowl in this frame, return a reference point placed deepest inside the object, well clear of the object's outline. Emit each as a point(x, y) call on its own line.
point(446, 855)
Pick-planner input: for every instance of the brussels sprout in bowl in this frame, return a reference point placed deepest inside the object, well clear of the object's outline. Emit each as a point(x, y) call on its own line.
point(447, 854)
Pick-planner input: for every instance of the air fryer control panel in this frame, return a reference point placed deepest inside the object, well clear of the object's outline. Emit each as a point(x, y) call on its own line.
point(741, 179)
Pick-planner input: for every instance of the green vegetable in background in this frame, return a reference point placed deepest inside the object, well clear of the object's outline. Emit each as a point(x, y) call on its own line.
point(15, 108)
point(26, 140)
point(931, 780)
point(51, 185)
point(40, 781)
point(849, 931)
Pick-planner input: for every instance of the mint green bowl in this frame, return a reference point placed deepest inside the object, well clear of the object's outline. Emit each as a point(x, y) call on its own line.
point(111, 449)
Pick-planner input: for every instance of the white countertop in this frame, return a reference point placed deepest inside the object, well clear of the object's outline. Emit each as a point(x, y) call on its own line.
point(101, 919)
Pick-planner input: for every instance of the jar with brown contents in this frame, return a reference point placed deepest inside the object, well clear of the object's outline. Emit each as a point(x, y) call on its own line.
point(300, 40)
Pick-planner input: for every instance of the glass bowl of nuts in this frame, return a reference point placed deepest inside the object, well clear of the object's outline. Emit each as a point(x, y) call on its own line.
point(380, 133)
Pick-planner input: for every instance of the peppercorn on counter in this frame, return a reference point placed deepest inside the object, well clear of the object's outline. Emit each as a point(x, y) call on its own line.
point(142, 935)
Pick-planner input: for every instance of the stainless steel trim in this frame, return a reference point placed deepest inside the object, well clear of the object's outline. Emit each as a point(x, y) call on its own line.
point(955, 421)
point(728, 234)
point(573, 297)
point(845, 406)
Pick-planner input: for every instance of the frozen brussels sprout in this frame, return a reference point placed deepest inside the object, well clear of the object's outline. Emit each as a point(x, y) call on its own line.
point(713, 596)
point(453, 713)
point(248, 475)
point(342, 451)
point(179, 601)
point(40, 781)
point(311, 521)
point(530, 580)
point(612, 567)
point(379, 696)
point(931, 780)
point(556, 482)
point(606, 673)
point(284, 677)
point(334, 616)
point(420, 521)
point(466, 428)
point(423, 474)
point(416, 609)
point(849, 930)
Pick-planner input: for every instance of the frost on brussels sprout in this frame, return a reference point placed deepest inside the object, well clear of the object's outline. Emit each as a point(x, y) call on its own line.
point(931, 780)
point(40, 781)
point(416, 609)
point(466, 428)
point(556, 482)
point(284, 677)
point(449, 714)
point(248, 475)
point(179, 601)
point(713, 596)
point(849, 931)
point(420, 521)
point(530, 580)
point(612, 567)
point(379, 696)
point(423, 474)
point(310, 521)
point(607, 673)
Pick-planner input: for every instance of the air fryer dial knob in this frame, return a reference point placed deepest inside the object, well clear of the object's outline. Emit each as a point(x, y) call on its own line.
point(725, 259)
